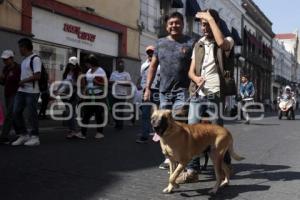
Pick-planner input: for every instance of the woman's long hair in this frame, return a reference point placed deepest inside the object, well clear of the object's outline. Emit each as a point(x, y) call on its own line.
point(76, 70)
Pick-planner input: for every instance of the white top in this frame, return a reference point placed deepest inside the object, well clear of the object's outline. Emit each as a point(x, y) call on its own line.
point(70, 78)
point(144, 71)
point(209, 70)
point(90, 79)
point(137, 98)
point(119, 77)
point(26, 72)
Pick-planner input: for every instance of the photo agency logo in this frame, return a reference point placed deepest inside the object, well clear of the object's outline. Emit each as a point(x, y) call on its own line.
point(67, 104)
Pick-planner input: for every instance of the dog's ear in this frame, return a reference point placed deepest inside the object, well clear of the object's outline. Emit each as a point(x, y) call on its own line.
point(168, 113)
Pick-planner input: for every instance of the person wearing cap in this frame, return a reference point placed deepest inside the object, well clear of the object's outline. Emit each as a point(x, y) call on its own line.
point(70, 75)
point(10, 78)
point(146, 109)
point(28, 95)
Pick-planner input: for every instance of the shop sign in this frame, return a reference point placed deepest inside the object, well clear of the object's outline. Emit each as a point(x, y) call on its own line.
point(80, 34)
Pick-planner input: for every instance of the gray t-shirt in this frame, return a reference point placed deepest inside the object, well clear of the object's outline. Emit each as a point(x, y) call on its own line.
point(174, 58)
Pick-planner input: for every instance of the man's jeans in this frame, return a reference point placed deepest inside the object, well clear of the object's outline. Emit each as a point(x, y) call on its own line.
point(198, 106)
point(71, 123)
point(146, 108)
point(208, 104)
point(29, 101)
point(175, 101)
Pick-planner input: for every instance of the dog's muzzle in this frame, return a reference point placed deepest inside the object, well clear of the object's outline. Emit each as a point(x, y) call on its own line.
point(160, 126)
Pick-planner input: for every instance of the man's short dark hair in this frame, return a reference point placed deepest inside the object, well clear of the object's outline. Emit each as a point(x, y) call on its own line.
point(246, 76)
point(26, 42)
point(174, 15)
point(92, 59)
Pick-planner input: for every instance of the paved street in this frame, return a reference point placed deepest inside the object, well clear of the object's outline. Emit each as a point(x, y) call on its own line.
point(118, 168)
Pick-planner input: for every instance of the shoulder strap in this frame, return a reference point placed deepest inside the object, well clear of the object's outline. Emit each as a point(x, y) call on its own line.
point(31, 62)
point(31, 67)
point(218, 54)
point(145, 69)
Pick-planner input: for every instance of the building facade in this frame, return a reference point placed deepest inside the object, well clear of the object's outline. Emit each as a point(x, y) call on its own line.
point(257, 49)
point(282, 68)
point(291, 43)
point(65, 28)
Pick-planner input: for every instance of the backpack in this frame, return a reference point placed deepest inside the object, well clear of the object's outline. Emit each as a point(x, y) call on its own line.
point(43, 81)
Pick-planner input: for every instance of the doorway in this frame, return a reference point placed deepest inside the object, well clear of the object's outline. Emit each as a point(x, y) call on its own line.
point(106, 62)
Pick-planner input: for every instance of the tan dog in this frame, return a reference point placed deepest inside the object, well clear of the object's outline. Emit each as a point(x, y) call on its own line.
point(181, 142)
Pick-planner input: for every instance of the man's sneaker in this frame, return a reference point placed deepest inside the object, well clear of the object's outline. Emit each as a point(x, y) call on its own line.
point(165, 164)
point(33, 141)
point(70, 135)
point(99, 135)
point(80, 136)
point(187, 177)
point(247, 122)
point(21, 140)
point(142, 140)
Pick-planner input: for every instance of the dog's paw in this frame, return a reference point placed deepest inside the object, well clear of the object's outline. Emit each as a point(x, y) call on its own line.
point(168, 189)
point(224, 183)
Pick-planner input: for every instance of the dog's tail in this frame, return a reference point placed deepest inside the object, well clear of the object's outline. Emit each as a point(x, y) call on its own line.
point(234, 155)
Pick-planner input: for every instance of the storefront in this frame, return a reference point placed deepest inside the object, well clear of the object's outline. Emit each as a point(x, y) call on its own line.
point(56, 38)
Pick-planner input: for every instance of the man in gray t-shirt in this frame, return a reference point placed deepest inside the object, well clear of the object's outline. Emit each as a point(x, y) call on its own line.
point(174, 57)
point(173, 54)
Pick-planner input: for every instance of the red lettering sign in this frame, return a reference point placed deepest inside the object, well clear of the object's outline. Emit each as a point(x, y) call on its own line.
point(80, 34)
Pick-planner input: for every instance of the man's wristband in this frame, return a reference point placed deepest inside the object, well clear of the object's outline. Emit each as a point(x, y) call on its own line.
point(148, 86)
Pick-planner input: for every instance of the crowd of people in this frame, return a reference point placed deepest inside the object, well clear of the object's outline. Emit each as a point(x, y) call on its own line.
point(81, 86)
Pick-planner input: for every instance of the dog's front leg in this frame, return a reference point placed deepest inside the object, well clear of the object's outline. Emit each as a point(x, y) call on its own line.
point(173, 177)
point(172, 165)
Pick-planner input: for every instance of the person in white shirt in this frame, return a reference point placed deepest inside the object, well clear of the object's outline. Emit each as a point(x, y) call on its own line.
point(122, 82)
point(96, 81)
point(205, 73)
point(27, 95)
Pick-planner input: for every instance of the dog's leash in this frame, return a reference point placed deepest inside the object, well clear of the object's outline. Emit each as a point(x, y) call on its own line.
point(193, 94)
